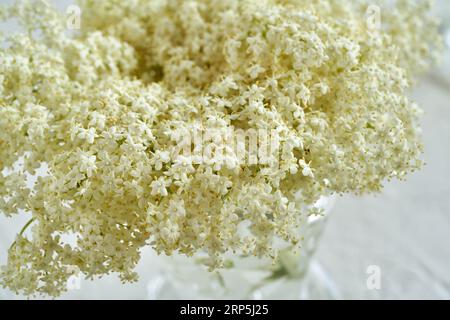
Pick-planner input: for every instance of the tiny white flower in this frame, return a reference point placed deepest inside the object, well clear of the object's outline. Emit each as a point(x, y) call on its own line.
point(159, 187)
point(306, 169)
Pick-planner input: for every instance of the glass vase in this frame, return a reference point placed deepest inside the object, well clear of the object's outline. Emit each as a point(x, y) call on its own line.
point(292, 276)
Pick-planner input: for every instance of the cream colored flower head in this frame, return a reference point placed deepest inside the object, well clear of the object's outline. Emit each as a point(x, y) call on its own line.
point(98, 112)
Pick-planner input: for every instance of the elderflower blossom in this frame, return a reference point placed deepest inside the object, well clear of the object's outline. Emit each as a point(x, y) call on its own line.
point(103, 109)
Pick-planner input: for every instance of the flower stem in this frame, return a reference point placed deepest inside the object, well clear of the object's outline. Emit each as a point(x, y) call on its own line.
point(25, 227)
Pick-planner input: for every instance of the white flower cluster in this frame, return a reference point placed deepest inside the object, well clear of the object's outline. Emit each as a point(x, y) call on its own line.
point(101, 109)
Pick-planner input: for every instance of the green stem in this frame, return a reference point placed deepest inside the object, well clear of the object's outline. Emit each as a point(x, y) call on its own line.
point(25, 227)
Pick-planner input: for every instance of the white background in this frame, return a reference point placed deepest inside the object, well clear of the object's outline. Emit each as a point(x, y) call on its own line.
point(405, 230)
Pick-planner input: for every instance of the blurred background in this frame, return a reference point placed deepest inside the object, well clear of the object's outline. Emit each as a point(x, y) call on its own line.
point(404, 231)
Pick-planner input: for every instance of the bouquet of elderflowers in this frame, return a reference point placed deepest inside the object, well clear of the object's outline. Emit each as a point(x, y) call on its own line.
point(99, 125)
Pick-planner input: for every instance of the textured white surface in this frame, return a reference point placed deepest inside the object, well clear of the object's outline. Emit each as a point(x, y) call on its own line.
point(405, 230)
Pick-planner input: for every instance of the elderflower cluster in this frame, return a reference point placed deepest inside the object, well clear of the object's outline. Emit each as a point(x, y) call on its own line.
point(100, 110)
